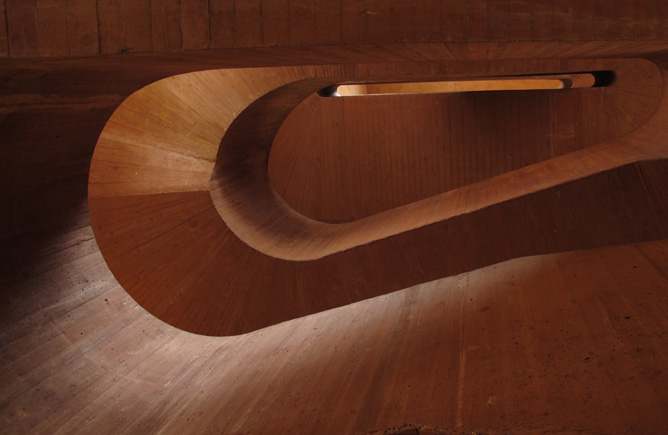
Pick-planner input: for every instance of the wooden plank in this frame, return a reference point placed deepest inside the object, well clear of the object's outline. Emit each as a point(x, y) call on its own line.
point(428, 20)
point(222, 23)
point(195, 24)
point(477, 13)
point(4, 42)
point(585, 21)
point(275, 23)
point(645, 19)
point(454, 27)
point(82, 28)
point(522, 21)
point(353, 21)
point(328, 18)
point(51, 23)
point(125, 26)
point(661, 11)
point(302, 22)
point(499, 20)
point(166, 25)
point(21, 28)
point(564, 19)
point(247, 23)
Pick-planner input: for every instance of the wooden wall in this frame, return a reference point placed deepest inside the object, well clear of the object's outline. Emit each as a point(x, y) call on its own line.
point(438, 143)
point(90, 27)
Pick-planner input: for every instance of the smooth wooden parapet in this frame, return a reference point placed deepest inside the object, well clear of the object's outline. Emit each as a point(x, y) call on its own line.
point(188, 222)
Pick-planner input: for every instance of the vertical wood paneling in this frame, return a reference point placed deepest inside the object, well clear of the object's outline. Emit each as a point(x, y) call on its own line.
point(454, 21)
point(82, 28)
point(622, 20)
point(564, 20)
point(4, 43)
point(499, 20)
point(661, 11)
point(428, 20)
point(247, 23)
point(195, 24)
point(21, 28)
point(166, 25)
point(521, 28)
point(51, 23)
point(275, 23)
point(378, 21)
point(606, 22)
point(543, 21)
point(585, 21)
point(222, 23)
point(644, 19)
point(403, 25)
point(328, 21)
point(70, 27)
point(302, 22)
point(353, 16)
point(477, 14)
point(125, 26)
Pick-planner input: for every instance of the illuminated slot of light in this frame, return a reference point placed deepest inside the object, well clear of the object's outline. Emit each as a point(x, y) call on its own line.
point(512, 83)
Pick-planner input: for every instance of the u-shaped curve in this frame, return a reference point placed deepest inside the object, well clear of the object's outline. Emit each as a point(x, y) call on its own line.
point(187, 220)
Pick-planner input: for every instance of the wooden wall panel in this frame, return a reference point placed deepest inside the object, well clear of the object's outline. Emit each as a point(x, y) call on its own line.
point(511, 130)
point(353, 19)
point(222, 23)
point(585, 20)
point(477, 17)
point(404, 24)
point(644, 19)
point(500, 20)
point(4, 43)
point(302, 22)
point(52, 27)
point(275, 23)
point(22, 28)
point(564, 19)
point(125, 26)
point(328, 21)
point(82, 28)
point(428, 20)
point(39, 29)
point(522, 20)
point(377, 21)
point(166, 25)
point(195, 24)
point(543, 21)
point(248, 23)
point(454, 21)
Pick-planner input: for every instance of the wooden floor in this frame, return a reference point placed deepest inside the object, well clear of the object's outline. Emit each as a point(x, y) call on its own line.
point(571, 342)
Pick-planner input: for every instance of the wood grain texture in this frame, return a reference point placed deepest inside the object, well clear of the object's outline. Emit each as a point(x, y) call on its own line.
point(166, 25)
point(21, 28)
point(321, 178)
point(563, 343)
point(154, 221)
point(4, 41)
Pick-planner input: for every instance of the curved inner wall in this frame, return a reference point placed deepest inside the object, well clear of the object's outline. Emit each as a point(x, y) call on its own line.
point(358, 156)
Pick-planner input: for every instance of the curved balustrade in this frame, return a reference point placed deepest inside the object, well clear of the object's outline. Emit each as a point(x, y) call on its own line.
point(185, 215)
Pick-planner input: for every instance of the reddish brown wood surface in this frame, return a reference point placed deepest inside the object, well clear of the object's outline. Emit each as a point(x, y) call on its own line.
point(563, 343)
point(154, 219)
point(38, 28)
